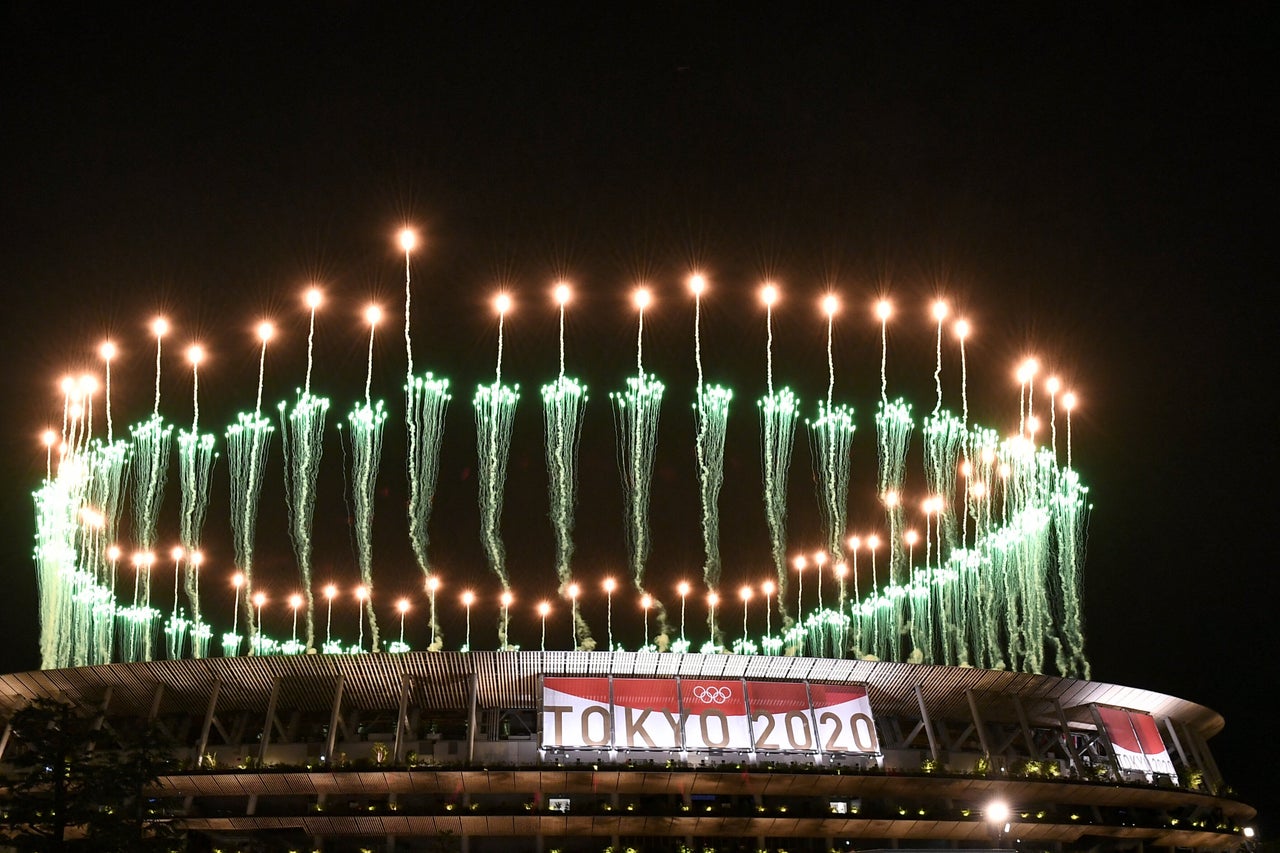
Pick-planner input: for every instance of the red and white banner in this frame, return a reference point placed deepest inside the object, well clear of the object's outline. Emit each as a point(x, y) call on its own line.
point(715, 714)
point(845, 724)
point(1152, 744)
point(706, 714)
point(646, 713)
point(1136, 741)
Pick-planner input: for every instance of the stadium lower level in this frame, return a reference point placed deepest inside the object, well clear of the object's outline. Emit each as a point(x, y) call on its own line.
point(593, 751)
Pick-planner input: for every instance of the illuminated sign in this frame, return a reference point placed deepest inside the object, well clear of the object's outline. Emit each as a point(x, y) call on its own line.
point(702, 714)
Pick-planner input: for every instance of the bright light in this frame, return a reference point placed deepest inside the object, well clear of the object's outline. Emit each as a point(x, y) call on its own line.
point(362, 592)
point(502, 303)
point(1033, 425)
point(507, 598)
point(911, 537)
point(820, 559)
point(107, 350)
point(574, 590)
point(543, 609)
point(966, 469)
point(266, 331)
point(159, 327)
point(939, 310)
point(769, 294)
point(237, 580)
point(1069, 401)
point(883, 310)
point(610, 584)
point(373, 315)
point(891, 499)
point(962, 329)
point(683, 588)
point(830, 304)
point(768, 588)
point(313, 298)
point(403, 605)
point(855, 542)
point(997, 812)
point(799, 563)
point(697, 283)
point(259, 599)
point(295, 601)
point(88, 385)
point(1052, 385)
point(48, 438)
point(176, 552)
point(195, 354)
point(113, 553)
point(330, 592)
point(646, 601)
point(562, 293)
point(873, 542)
point(745, 593)
point(713, 599)
point(433, 583)
point(408, 239)
point(642, 297)
point(841, 570)
point(468, 598)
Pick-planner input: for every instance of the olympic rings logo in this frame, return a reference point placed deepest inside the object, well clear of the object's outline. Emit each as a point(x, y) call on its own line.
point(711, 695)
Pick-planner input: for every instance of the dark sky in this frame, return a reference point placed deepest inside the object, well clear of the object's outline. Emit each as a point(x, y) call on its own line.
point(1094, 187)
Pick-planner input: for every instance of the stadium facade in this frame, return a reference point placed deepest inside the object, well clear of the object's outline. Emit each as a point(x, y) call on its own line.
point(592, 751)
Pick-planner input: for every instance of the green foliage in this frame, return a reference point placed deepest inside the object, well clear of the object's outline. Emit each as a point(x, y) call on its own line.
point(51, 780)
point(72, 779)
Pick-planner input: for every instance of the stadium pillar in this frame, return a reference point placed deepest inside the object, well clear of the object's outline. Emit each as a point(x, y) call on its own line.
point(977, 723)
point(928, 724)
point(1032, 750)
point(402, 720)
point(1066, 739)
point(334, 715)
point(471, 718)
point(4, 739)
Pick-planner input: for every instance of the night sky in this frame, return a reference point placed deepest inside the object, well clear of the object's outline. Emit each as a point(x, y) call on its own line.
point(1091, 187)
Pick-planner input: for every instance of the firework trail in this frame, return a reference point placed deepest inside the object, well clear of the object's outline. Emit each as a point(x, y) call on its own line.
point(712, 415)
point(495, 408)
point(427, 402)
point(248, 445)
point(195, 464)
point(778, 415)
point(1070, 515)
point(637, 411)
point(152, 441)
point(713, 421)
point(367, 421)
point(943, 442)
point(108, 352)
point(563, 407)
point(302, 431)
point(831, 441)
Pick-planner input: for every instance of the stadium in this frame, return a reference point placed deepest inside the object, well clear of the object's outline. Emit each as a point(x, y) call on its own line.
point(939, 697)
point(590, 751)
